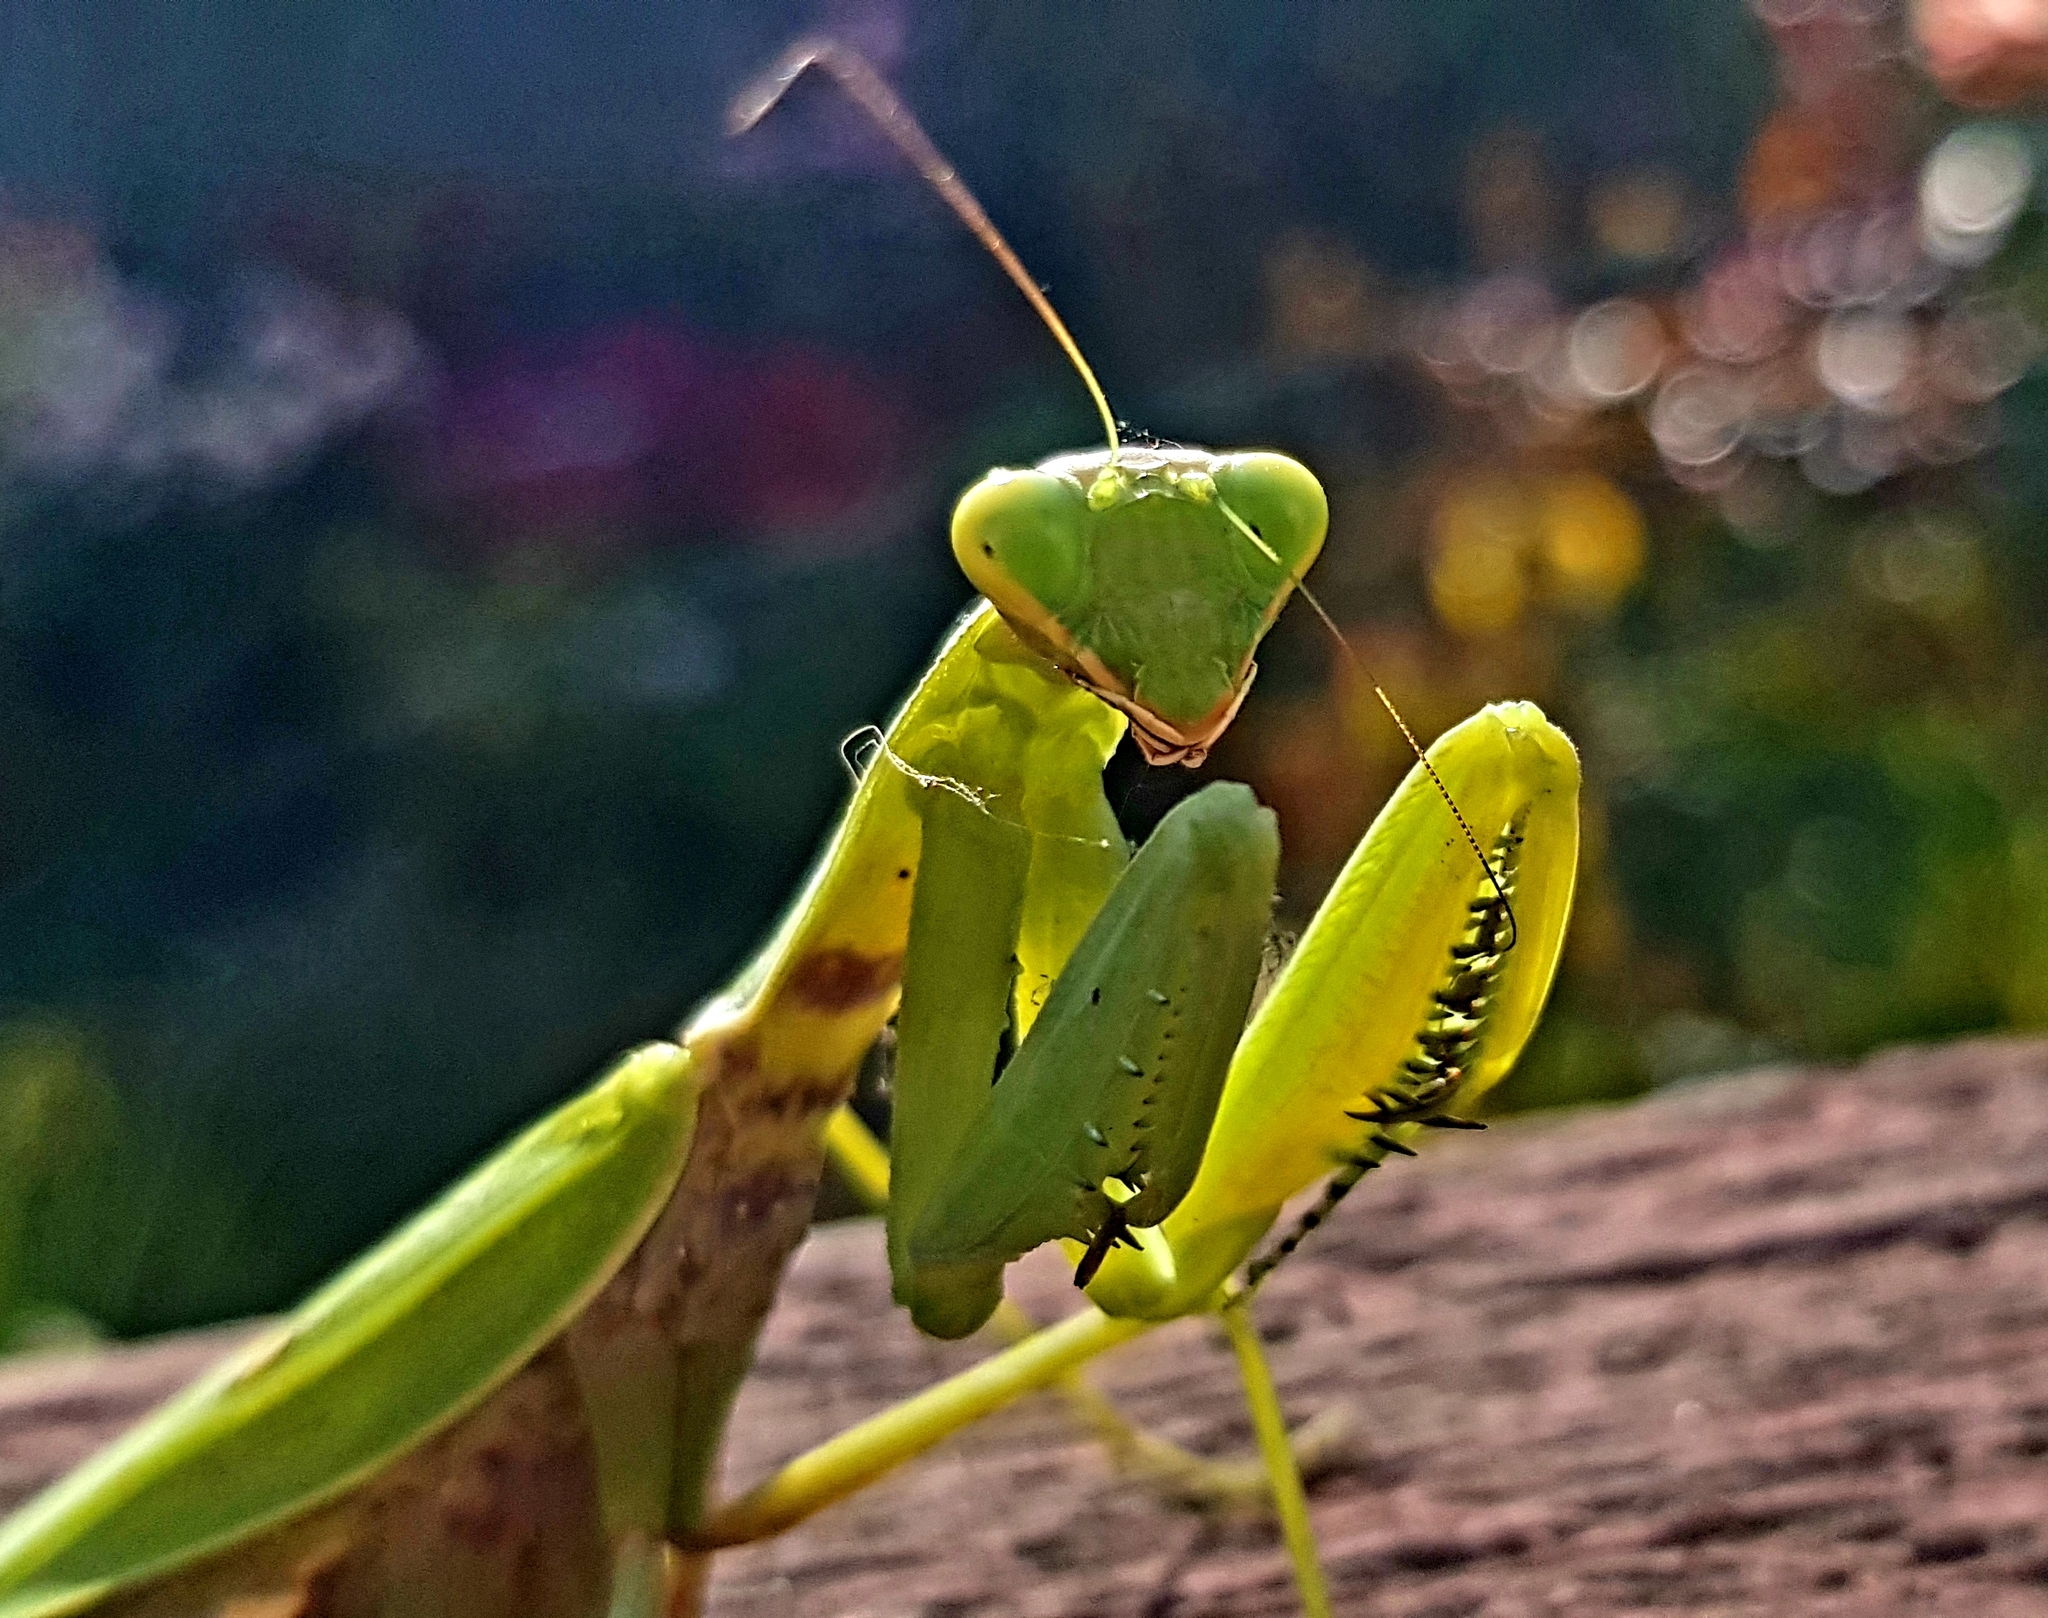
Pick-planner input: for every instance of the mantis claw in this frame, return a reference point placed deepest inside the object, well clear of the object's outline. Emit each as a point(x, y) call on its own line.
point(1113, 1230)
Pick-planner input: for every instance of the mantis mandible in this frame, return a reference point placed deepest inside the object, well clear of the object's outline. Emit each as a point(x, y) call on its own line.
point(514, 1404)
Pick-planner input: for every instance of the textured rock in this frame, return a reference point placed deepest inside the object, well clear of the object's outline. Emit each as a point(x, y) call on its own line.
point(1771, 1345)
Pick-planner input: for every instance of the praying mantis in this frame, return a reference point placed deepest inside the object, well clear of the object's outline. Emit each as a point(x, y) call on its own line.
point(515, 1403)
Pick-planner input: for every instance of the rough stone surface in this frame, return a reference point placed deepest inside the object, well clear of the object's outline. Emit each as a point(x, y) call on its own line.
point(1770, 1345)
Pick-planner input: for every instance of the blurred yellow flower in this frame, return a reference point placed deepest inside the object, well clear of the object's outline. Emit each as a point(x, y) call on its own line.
point(1480, 539)
point(1594, 541)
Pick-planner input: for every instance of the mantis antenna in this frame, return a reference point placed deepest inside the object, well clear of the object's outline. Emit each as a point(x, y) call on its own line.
point(872, 94)
point(1471, 838)
point(1358, 664)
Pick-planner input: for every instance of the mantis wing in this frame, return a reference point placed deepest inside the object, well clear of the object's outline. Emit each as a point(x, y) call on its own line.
point(399, 1344)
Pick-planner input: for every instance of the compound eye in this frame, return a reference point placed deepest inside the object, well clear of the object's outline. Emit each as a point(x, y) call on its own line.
point(1280, 500)
point(1021, 539)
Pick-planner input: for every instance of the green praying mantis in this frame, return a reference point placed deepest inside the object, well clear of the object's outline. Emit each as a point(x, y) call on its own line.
point(515, 1403)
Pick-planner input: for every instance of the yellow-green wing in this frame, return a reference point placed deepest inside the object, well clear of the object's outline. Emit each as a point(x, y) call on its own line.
point(400, 1343)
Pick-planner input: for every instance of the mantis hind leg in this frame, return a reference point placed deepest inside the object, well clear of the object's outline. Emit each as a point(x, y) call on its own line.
point(1047, 1358)
point(1175, 1473)
point(1276, 1451)
point(1181, 1477)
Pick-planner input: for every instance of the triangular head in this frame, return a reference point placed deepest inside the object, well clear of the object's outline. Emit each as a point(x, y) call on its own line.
point(1150, 577)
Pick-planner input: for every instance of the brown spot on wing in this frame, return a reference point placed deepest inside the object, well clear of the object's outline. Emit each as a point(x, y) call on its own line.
point(840, 979)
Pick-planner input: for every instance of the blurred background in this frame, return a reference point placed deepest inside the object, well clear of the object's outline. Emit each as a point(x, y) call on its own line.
point(453, 503)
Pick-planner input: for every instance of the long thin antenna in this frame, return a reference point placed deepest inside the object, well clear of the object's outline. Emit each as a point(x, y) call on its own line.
point(871, 93)
point(1358, 665)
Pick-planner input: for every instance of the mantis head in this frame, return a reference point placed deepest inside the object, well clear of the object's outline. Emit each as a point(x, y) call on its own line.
point(1149, 575)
